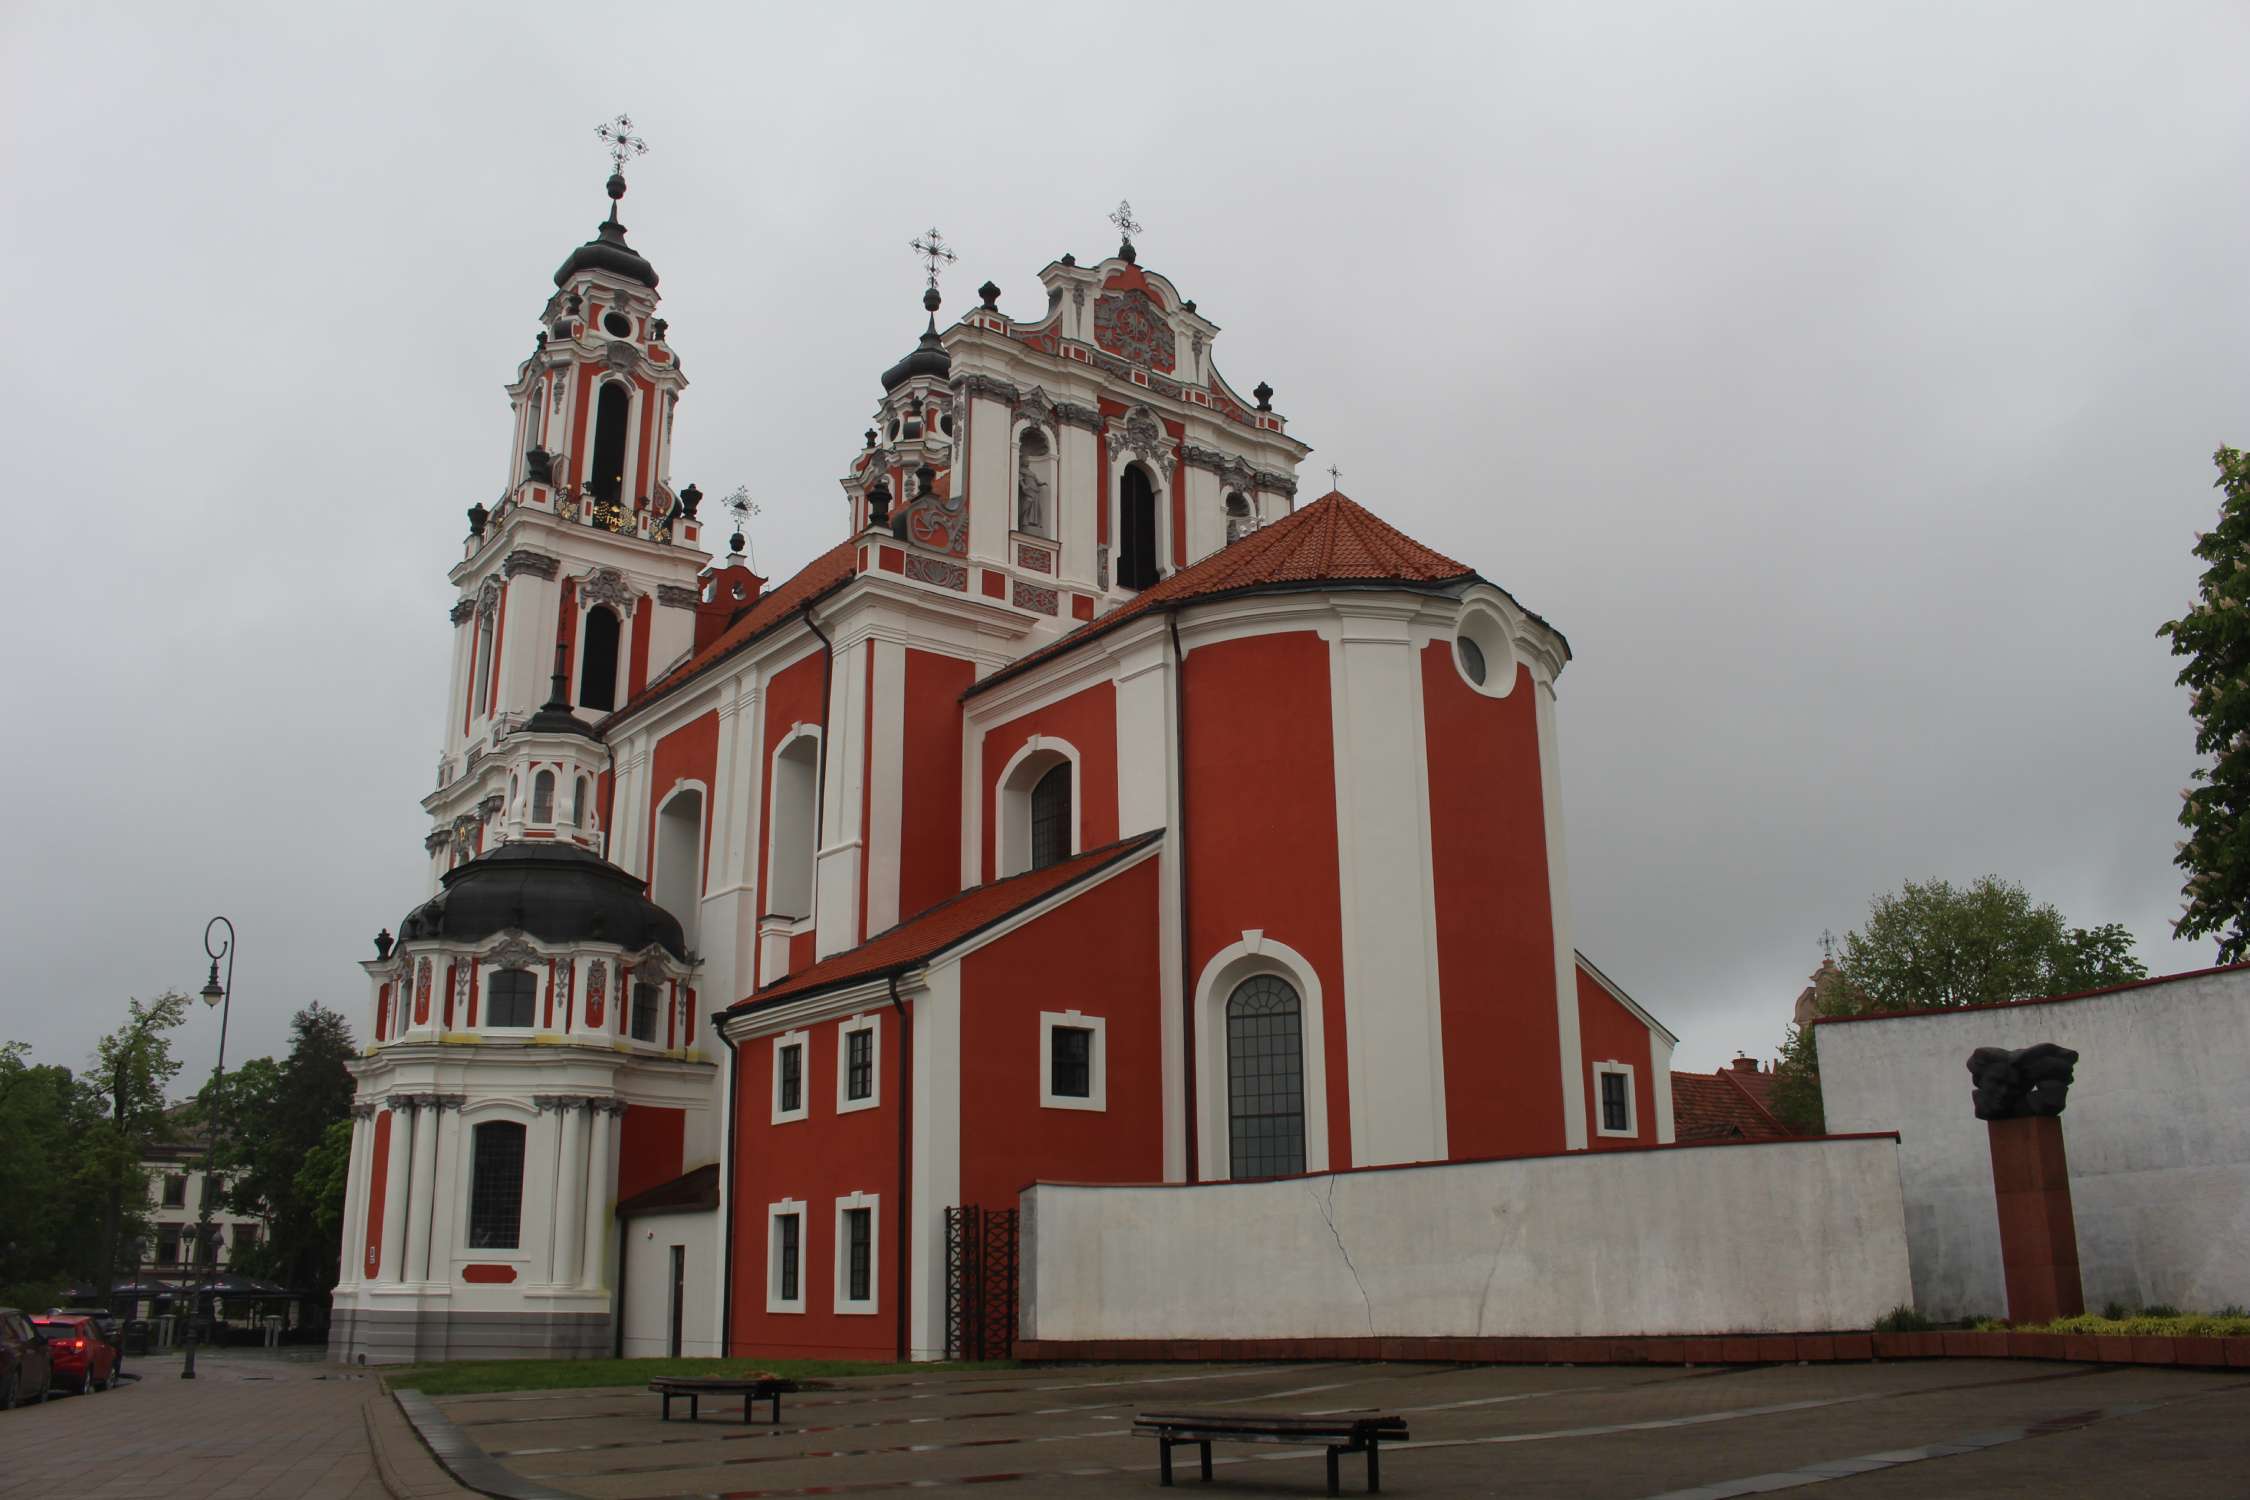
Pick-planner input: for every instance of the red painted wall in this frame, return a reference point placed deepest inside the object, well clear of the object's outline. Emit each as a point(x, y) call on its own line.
point(817, 1159)
point(378, 1180)
point(929, 866)
point(1495, 926)
point(1261, 850)
point(688, 753)
point(649, 1149)
point(1608, 1032)
point(1088, 720)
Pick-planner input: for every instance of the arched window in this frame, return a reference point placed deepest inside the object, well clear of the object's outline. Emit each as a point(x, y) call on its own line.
point(543, 797)
point(1265, 1079)
point(1035, 483)
point(510, 998)
point(610, 413)
point(679, 859)
point(1241, 518)
point(578, 803)
point(496, 1186)
point(481, 693)
point(597, 659)
point(1050, 818)
point(1136, 539)
point(790, 835)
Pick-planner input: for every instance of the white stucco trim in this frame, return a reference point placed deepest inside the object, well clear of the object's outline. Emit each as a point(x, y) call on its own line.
point(1096, 1096)
point(1558, 906)
point(1011, 830)
point(1485, 621)
point(802, 1041)
point(872, 1302)
point(1255, 953)
point(775, 1213)
point(1632, 1104)
point(845, 1031)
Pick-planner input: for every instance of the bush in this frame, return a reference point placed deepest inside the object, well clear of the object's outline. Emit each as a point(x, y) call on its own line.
point(2223, 1324)
point(1903, 1319)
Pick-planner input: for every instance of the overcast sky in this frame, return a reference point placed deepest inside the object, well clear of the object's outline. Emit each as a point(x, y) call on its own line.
point(1841, 379)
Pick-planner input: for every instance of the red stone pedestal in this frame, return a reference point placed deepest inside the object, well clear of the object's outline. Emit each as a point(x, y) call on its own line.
point(2038, 1237)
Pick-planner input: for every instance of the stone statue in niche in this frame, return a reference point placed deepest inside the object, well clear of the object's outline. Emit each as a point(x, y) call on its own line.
point(1031, 484)
point(2025, 1084)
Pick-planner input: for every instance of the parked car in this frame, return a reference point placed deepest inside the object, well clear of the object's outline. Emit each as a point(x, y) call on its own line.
point(105, 1323)
point(27, 1371)
point(83, 1360)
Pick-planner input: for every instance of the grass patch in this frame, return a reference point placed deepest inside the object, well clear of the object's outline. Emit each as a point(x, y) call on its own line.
point(472, 1377)
point(2146, 1325)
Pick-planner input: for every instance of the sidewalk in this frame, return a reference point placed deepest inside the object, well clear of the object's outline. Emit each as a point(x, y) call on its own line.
point(247, 1425)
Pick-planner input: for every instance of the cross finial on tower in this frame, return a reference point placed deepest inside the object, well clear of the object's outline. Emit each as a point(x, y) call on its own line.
point(1335, 477)
point(936, 254)
point(623, 145)
point(744, 508)
point(1126, 229)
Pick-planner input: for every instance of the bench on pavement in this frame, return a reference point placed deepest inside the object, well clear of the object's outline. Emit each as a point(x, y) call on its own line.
point(1340, 1433)
point(751, 1388)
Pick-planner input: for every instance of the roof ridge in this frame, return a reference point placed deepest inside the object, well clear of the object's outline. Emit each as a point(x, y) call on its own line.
point(1756, 1103)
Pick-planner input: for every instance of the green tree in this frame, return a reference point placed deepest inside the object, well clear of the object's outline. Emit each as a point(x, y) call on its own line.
point(50, 1179)
point(2214, 636)
point(275, 1118)
point(133, 1065)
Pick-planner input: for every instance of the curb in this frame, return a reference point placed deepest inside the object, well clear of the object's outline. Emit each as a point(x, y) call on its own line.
point(457, 1465)
point(402, 1465)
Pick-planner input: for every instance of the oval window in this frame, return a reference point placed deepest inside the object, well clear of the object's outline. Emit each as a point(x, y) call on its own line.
point(618, 325)
point(1472, 660)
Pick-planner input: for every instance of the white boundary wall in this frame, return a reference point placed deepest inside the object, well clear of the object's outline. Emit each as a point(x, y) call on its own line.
point(2157, 1130)
point(648, 1283)
point(1798, 1236)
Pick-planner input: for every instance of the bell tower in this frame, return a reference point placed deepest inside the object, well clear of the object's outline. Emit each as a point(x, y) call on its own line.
point(579, 583)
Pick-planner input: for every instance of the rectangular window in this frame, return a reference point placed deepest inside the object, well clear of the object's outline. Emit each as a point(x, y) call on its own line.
point(1070, 1061)
point(647, 1001)
point(859, 1251)
point(175, 1191)
point(245, 1237)
point(859, 1064)
point(496, 1186)
point(1615, 1110)
point(787, 1256)
point(509, 997)
point(168, 1244)
point(792, 1078)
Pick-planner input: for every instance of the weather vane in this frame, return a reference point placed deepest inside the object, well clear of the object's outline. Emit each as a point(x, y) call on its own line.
point(623, 145)
point(935, 252)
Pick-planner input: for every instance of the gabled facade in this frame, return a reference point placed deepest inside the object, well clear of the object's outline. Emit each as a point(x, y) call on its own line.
point(1091, 810)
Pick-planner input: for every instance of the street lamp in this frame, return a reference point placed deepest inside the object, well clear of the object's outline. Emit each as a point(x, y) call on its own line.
point(221, 995)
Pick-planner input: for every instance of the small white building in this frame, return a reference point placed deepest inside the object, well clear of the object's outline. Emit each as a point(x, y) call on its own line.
point(176, 1185)
point(2155, 1129)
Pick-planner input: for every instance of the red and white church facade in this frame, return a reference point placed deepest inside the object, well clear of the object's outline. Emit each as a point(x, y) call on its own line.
point(1093, 811)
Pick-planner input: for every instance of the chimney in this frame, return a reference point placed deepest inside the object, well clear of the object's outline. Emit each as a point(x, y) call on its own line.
point(1746, 1065)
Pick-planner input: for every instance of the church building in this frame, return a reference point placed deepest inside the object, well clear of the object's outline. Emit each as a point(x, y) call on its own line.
point(1096, 809)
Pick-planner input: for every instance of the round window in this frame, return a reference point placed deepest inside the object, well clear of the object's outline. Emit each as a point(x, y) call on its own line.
point(1472, 660)
point(618, 325)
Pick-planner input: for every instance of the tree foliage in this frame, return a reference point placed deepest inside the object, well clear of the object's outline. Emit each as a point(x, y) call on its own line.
point(2214, 636)
point(275, 1119)
point(133, 1067)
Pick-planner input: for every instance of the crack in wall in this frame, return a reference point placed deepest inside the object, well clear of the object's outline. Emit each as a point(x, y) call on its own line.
point(1328, 1214)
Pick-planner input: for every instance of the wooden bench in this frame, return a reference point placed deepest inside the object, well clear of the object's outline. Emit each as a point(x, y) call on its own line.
point(751, 1388)
point(1341, 1433)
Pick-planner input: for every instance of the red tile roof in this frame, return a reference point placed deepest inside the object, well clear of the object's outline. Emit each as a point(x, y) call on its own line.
point(923, 937)
point(825, 573)
point(1724, 1105)
point(1335, 539)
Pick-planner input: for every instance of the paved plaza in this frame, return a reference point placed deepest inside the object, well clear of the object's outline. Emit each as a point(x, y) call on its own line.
point(273, 1428)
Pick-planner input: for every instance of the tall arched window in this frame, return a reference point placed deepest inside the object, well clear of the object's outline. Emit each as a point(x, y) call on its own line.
point(790, 835)
point(480, 693)
point(1136, 539)
point(578, 803)
point(1265, 1079)
point(1241, 518)
point(1050, 818)
point(543, 797)
point(610, 414)
point(679, 859)
point(496, 1186)
point(597, 659)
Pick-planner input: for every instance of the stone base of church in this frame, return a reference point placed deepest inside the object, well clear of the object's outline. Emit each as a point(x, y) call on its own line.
point(408, 1334)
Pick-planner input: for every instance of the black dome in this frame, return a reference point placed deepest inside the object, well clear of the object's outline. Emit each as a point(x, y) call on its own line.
point(607, 251)
point(929, 358)
point(557, 892)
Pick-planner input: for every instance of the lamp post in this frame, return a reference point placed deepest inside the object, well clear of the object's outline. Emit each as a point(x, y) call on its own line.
point(221, 995)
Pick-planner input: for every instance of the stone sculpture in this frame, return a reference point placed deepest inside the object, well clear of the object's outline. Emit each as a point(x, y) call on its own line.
point(2029, 1083)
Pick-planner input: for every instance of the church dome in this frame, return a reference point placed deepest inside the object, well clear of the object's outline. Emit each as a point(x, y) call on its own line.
point(607, 250)
point(928, 356)
point(557, 892)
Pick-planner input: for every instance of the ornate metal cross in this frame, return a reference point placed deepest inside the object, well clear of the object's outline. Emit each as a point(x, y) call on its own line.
point(936, 254)
point(1123, 219)
point(623, 145)
point(1335, 475)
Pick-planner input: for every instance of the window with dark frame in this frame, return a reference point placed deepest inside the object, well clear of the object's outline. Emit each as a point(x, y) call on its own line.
point(1070, 1062)
point(175, 1191)
point(1050, 818)
point(1265, 1079)
point(785, 1226)
point(168, 1243)
point(543, 797)
point(792, 1078)
point(859, 1254)
point(647, 1000)
point(859, 1063)
point(496, 1186)
point(1616, 1103)
point(510, 998)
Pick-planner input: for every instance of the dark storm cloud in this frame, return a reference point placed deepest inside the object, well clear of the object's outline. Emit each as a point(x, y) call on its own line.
point(1841, 379)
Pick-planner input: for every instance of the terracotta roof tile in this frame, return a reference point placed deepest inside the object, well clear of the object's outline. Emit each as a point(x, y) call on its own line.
point(1718, 1106)
point(951, 921)
point(1334, 539)
point(829, 571)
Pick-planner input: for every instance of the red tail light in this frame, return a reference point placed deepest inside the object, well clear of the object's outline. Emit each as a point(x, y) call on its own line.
point(78, 1344)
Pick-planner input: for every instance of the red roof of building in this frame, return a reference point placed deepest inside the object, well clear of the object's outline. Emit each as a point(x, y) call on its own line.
point(1335, 539)
point(954, 920)
point(1729, 1104)
point(825, 573)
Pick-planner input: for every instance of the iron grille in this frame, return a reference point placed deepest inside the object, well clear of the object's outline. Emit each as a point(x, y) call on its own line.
point(980, 1282)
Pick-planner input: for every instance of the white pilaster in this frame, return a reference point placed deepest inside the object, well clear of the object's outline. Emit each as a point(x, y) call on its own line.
point(393, 1266)
point(837, 874)
point(936, 1162)
point(570, 1190)
point(594, 1242)
point(445, 1183)
point(1558, 903)
point(886, 783)
point(420, 1198)
point(353, 1259)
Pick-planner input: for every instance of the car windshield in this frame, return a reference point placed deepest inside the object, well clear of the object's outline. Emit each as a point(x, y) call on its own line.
point(54, 1329)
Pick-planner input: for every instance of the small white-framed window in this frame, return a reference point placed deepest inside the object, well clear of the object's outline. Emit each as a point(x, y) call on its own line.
point(859, 1064)
point(1614, 1112)
point(1041, 799)
point(858, 1234)
point(785, 1256)
point(543, 797)
point(1483, 651)
point(791, 1052)
point(1073, 1061)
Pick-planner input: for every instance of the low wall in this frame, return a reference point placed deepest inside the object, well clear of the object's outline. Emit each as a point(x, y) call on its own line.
point(1786, 1236)
point(2157, 1131)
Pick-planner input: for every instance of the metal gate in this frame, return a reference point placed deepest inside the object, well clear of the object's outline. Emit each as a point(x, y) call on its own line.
point(980, 1282)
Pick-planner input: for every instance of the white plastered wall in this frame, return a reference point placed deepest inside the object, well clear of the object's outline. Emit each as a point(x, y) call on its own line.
point(648, 1241)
